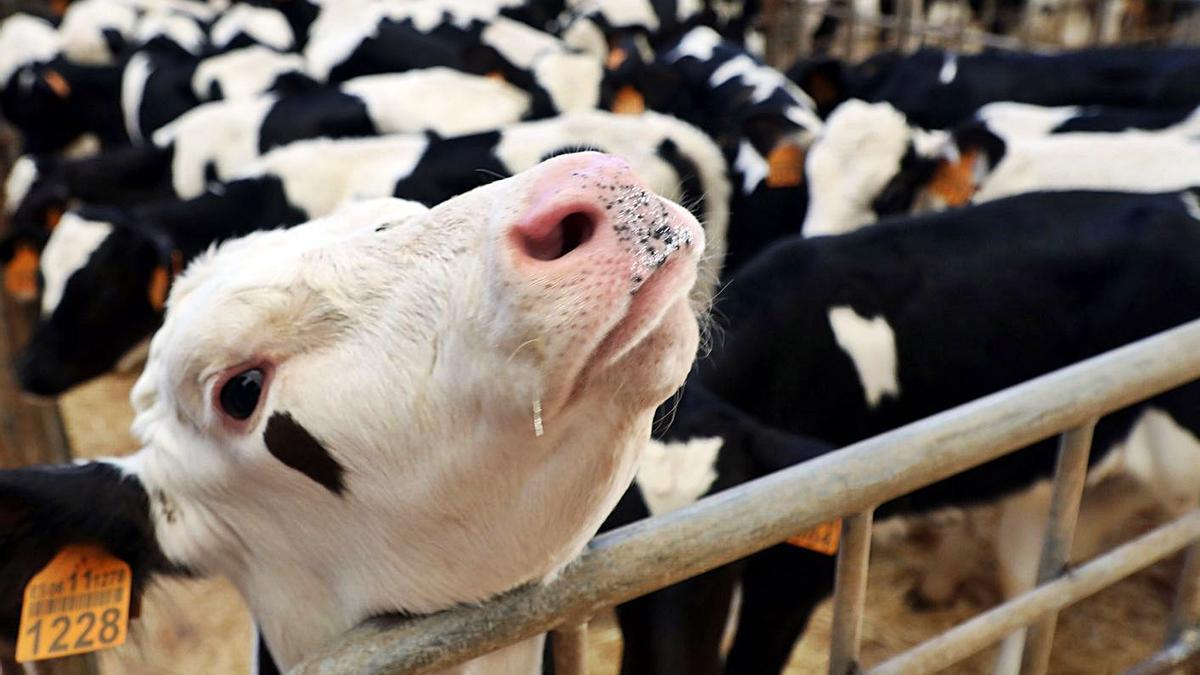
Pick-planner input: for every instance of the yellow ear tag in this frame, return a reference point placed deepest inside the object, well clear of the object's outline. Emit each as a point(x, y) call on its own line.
point(58, 83)
point(628, 101)
point(785, 166)
point(79, 603)
point(823, 538)
point(159, 285)
point(616, 56)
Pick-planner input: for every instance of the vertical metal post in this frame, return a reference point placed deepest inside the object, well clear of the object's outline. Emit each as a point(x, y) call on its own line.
point(850, 592)
point(1070, 473)
point(1185, 614)
point(570, 649)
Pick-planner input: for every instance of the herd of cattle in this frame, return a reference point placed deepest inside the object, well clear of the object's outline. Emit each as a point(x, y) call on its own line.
point(1026, 212)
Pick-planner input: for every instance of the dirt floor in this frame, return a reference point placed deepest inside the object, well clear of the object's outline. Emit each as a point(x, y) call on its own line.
point(202, 626)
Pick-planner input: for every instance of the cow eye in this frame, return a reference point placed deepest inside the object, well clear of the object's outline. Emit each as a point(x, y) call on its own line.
point(239, 396)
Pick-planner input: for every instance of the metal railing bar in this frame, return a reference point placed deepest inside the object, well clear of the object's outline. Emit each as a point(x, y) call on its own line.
point(570, 649)
point(850, 593)
point(660, 551)
point(1185, 611)
point(1070, 474)
point(1171, 657)
point(976, 634)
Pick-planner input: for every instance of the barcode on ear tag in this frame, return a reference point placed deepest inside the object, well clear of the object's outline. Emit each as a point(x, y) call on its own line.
point(823, 538)
point(78, 603)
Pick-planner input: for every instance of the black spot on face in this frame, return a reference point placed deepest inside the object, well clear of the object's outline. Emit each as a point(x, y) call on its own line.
point(293, 445)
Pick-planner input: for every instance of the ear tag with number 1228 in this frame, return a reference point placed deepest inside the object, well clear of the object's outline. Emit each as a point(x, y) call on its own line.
point(78, 603)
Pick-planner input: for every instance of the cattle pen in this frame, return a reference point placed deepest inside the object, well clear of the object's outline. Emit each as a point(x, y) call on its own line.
point(848, 484)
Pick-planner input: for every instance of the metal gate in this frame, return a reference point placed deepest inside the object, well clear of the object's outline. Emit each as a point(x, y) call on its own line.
point(849, 483)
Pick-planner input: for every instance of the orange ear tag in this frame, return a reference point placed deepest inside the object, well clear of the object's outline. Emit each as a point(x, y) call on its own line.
point(79, 603)
point(58, 83)
point(785, 165)
point(616, 56)
point(20, 275)
point(159, 285)
point(629, 101)
point(823, 538)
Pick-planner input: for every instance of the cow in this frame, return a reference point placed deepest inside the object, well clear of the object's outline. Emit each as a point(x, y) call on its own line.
point(843, 338)
point(938, 89)
point(869, 164)
point(237, 398)
point(470, 37)
point(762, 122)
point(106, 271)
point(54, 103)
point(215, 141)
point(1011, 120)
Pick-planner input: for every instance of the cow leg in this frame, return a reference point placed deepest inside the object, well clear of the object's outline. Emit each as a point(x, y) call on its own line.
point(1018, 546)
point(780, 588)
point(677, 630)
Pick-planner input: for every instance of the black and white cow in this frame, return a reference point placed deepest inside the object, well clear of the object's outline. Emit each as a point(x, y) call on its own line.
point(937, 89)
point(869, 163)
point(762, 122)
point(56, 102)
point(843, 338)
point(106, 271)
point(352, 40)
point(240, 398)
point(215, 141)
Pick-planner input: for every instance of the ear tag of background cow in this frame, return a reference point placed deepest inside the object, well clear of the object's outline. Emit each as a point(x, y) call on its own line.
point(79, 603)
point(616, 56)
point(58, 83)
point(629, 101)
point(785, 166)
point(823, 538)
point(160, 283)
point(954, 181)
point(20, 275)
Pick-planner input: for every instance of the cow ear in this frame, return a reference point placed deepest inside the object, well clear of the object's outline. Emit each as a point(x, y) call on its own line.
point(823, 80)
point(44, 509)
point(785, 164)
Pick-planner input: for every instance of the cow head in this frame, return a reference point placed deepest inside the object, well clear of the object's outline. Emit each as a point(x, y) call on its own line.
point(98, 275)
point(397, 408)
point(868, 163)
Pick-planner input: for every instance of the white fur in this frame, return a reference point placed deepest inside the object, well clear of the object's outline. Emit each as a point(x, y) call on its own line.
point(699, 43)
point(321, 174)
point(871, 346)
point(441, 338)
point(443, 100)
point(571, 80)
point(855, 155)
point(1022, 120)
point(133, 88)
point(949, 69)
point(179, 28)
point(83, 25)
point(85, 145)
point(24, 40)
point(622, 12)
point(1131, 161)
point(862, 144)
point(751, 165)
point(674, 475)
point(265, 26)
point(71, 244)
point(22, 177)
point(223, 133)
point(764, 79)
point(243, 73)
point(1192, 204)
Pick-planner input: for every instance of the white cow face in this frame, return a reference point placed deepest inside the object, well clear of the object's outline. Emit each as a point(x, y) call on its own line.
point(400, 408)
point(865, 152)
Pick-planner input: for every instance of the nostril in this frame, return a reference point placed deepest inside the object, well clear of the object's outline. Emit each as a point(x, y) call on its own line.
point(569, 233)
